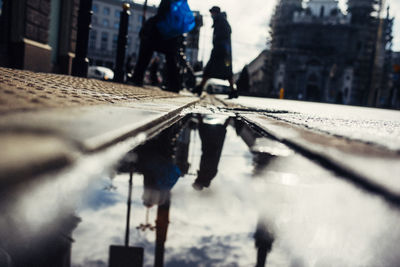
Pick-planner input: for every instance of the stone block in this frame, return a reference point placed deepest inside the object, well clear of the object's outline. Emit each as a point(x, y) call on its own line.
point(45, 7)
point(33, 3)
point(31, 31)
point(43, 36)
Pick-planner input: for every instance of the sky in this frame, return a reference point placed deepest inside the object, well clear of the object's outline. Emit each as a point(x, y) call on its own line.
point(250, 25)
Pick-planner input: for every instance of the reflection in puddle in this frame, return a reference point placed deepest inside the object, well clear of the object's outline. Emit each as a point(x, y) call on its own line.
point(214, 227)
point(208, 191)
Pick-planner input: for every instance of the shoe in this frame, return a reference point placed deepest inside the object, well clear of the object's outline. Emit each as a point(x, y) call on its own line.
point(197, 187)
point(233, 94)
point(198, 90)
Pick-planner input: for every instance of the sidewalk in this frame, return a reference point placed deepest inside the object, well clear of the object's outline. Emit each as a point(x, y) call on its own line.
point(47, 119)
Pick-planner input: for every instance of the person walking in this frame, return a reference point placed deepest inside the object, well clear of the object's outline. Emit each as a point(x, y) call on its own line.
point(151, 40)
point(220, 64)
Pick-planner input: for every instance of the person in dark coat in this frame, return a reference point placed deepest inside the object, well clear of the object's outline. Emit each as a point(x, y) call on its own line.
point(220, 64)
point(212, 138)
point(151, 40)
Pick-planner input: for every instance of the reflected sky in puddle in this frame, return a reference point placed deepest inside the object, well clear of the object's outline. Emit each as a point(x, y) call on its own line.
point(220, 195)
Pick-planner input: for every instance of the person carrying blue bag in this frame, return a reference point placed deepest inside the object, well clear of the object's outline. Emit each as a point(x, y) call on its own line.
point(163, 33)
point(220, 64)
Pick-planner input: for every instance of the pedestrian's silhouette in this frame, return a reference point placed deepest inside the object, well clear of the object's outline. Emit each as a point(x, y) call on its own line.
point(154, 66)
point(212, 140)
point(263, 241)
point(220, 64)
point(152, 40)
point(243, 83)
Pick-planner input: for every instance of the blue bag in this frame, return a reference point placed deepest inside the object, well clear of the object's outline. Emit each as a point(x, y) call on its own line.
point(177, 21)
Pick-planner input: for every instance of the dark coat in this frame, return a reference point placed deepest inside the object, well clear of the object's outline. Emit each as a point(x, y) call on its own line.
point(220, 63)
point(212, 140)
point(150, 35)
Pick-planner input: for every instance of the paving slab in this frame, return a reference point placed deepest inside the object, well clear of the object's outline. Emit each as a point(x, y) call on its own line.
point(369, 125)
point(379, 167)
point(25, 154)
point(94, 127)
point(48, 119)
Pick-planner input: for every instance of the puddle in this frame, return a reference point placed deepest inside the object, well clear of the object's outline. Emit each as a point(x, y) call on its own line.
point(208, 191)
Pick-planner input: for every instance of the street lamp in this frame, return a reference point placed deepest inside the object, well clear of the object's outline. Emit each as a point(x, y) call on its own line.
point(144, 12)
point(122, 40)
point(80, 63)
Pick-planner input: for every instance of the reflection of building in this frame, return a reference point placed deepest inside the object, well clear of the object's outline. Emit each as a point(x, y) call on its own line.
point(38, 35)
point(318, 53)
point(103, 36)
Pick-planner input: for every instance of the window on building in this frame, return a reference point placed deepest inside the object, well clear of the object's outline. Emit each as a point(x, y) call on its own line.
point(116, 25)
point(322, 12)
point(94, 20)
point(115, 41)
point(140, 18)
point(92, 39)
point(95, 8)
point(106, 23)
point(104, 41)
point(117, 13)
point(106, 11)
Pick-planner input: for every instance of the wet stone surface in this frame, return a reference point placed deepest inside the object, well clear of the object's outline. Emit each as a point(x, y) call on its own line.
point(207, 192)
point(22, 90)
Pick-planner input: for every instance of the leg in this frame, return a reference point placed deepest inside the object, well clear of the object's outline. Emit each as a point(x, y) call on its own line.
point(172, 72)
point(199, 88)
point(233, 93)
point(145, 54)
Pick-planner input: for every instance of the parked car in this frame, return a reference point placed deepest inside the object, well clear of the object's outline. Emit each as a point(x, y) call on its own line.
point(213, 86)
point(217, 86)
point(101, 73)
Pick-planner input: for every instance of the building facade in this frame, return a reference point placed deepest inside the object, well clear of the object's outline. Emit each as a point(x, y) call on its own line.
point(256, 70)
point(318, 53)
point(395, 95)
point(38, 35)
point(103, 37)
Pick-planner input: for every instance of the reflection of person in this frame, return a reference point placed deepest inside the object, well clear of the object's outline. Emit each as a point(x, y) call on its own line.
point(151, 40)
point(159, 171)
point(212, 140)
point(161, 164)
point(220, 63)
point(263, 241)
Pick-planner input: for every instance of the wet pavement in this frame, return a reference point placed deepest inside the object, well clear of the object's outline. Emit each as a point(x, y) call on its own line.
point(208, 191)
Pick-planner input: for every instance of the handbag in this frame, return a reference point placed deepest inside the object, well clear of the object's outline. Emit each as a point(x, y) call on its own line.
point(177, 21)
